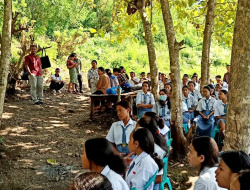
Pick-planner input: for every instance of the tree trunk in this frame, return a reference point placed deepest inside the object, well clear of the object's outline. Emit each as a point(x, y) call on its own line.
point(238, 120)
point(150, 46)
point(179, 139)
point(205, 60)
point(5, 52)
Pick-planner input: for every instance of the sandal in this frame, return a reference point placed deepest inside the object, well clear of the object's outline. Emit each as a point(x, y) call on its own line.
point(69, 91)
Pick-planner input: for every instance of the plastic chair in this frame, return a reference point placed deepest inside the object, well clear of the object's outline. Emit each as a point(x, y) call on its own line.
point(151, 180)
point(185, 127)
point(218, 140)
point(165, 178)
point(216, 130)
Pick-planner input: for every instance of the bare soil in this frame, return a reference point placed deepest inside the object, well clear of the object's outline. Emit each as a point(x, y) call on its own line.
point(32, 134)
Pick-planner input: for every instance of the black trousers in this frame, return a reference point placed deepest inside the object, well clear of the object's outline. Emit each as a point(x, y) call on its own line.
point(79, 78)
point(55, 85)
point(97, 102)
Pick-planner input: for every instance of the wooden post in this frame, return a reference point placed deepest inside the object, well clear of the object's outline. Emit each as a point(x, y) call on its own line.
point(119, 93)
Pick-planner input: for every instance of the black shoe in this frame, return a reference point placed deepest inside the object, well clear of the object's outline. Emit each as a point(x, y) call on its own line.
point(40, 103)
point(81, 91)
point(37, 103)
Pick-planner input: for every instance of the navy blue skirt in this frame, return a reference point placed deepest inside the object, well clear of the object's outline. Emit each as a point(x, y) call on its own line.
point(205, 126)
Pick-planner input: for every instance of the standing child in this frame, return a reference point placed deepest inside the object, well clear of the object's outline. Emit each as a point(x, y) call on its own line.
point(220, 112)
point(146, 163)
point(190, 101)
point(98, 156)
point(144, 100)
point(120, 131)
point(205, 119)
point(72, 73)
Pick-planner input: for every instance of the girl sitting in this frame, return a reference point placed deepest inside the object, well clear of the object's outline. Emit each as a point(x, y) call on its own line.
point(98, 156)
point(146, 163)
point(220, 112)
point(168, 87)
point(203, 154)
point(120, 131)
point(160, 145)
point(205, 119)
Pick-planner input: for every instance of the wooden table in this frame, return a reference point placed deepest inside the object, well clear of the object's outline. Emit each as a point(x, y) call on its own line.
point(112, 98)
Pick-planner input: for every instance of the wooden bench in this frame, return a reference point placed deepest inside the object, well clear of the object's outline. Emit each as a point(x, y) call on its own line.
point(112, 98)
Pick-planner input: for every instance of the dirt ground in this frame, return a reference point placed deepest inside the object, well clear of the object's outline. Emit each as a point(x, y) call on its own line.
point(34, 135)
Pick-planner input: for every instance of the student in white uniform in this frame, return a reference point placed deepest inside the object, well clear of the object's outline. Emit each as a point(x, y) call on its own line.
point(168, 87)
point(163, 107)
point(91, 181)
point(205, 119)
point(120, 131)
point(196, 94)
point(190, 101)
point(220, 112)
point(160, 145)
point(146, 163)
point(134, 81)
point(144, 100)
point(218, 87)
point(231, 163)
point(164, 130)
point(203, 154)
point(98, 156)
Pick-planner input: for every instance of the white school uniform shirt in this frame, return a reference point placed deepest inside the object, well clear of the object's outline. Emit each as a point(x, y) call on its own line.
point(144, 168)
point(158, 109)
point(149, 98)
point(184, 107)
point(59, 78)
point(161, 84)
point(206, 180)
point(219, 108)
point(132, 82)
point(202, 105)
point(196, 94)
point(115, 133)
point(116, 180)
point(191, 101)
point(161, 153)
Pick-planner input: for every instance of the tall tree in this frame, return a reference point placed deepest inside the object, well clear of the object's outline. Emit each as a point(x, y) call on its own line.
point(5, 51)
point(141, 6)
point(238, 121)
point(205, 60)
point(179, 140)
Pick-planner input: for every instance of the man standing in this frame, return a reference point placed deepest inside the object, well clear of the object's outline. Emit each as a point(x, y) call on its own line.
point(93, 76)
point(33, 66)
point(79, 73)
point(226, 77)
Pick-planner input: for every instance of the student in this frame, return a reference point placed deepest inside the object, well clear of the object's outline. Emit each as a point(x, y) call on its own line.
point(146, 163)
point(164, 129)
point(160, 146)
point(218, 87)
point(148, 77)
point(203, 154)
point(196, 94)
point(144, 100)
point(205, 119)
point(143, 78)
point(230, 164)
point(241, 182)
point(91, 181)
point(168, 87)
point(184, 80)
point(211, 86)
point(163, 107)
point(190, 101)
point(120, 131)
point(220, 112)
point(134, 80)
point(195, 80)
point(98, 156)
point(72, 73)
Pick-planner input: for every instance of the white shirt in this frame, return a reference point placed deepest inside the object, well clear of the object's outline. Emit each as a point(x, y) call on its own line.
point(144, 168)
point(149, 98)
point(206, 180)
point(196, 94)
point(116, 180)
point(115, 133)
point(202, 105)
point(184, 107)
point(159, 110)
point(219, 108)
point(59, 78)
point(191, 101)
point(132, 82)
point(161, 153)
point(161, 84)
